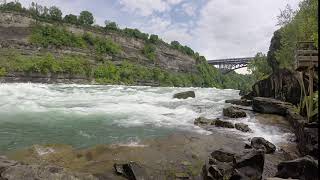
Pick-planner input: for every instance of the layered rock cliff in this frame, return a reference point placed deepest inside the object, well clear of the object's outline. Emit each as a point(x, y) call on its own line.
point(16, 29)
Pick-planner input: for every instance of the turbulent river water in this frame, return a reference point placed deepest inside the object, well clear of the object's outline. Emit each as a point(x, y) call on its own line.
point(87, 115)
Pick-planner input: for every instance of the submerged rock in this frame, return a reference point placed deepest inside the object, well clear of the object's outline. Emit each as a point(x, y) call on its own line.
point(234, 112)
point(227, 164)
point(184, 95)
point(240, 102)
point(12, 170)
point(242, 127)
point(302, 168)
point(262, 144)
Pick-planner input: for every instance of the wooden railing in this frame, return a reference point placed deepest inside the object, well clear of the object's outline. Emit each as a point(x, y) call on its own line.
point(306, 56)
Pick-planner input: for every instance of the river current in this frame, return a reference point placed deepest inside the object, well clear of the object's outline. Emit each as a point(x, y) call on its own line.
point(87, 115)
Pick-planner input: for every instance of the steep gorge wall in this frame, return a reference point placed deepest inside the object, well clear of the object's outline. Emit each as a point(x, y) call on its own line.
point(15, 30)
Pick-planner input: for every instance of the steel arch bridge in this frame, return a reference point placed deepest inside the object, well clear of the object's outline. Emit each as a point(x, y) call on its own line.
point(230, 64)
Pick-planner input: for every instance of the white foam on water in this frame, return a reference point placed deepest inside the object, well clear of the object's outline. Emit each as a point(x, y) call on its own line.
point(129, 106)
point(41, 151)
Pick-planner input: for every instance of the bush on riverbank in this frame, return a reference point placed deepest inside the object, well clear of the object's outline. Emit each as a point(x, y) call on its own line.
point(44, 64)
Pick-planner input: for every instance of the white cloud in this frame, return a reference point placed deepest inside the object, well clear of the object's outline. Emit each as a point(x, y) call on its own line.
point(233, 28)
point(148, 7)
point(189, 8)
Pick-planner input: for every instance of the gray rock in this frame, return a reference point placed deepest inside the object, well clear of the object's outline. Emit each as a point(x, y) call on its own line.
point(270, 106)
point(240, 102)
point(282, 85)
point(184, 95)
point(131, 170)
point(201, 121)
point(306, 133)
point(227, 164)
point(262, 144)
point(219, 123)
point(234, 112)
point(302, 168)
point(242, 127)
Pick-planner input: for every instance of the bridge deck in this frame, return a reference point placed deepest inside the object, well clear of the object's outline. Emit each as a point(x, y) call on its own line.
point(230, 60)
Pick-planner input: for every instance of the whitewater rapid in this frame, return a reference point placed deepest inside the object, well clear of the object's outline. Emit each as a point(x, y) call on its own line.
point(87, 115)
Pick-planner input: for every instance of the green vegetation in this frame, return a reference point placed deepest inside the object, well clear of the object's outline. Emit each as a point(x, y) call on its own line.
point(3, 71)
point(59, 36)
point(259, 67)
point(56, 36)
point(184, 49)
point(111, 26)
point(44, 64)
point(149, 51)
point(86, 18)
point(300, 25)
point(136, 34)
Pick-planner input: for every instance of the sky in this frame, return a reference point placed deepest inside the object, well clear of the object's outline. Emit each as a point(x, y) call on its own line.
point(214, 28)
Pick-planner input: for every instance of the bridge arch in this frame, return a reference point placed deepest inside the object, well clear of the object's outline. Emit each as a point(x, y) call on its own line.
point(230, 64)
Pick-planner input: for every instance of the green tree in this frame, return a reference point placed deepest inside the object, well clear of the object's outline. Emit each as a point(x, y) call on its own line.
point(300, 25)
point(86, 18)
point(111, 26)
point(55, 13)
point(175, 44)
point(259, 67)
point(71, 19)
point(154, 38)
point(11, 6)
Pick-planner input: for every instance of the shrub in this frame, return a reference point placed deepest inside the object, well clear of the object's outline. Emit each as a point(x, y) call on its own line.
point(153, 39)
point(149, 51)
point(111, 26)
point(71, 19)
point(3, 71)
point(106, 46)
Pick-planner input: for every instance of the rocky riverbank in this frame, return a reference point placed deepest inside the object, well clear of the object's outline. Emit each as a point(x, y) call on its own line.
point(177, 156)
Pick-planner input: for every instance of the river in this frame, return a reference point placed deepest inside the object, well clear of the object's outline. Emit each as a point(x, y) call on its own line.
point(88, 115)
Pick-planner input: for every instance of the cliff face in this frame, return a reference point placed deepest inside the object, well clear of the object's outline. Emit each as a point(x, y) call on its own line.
point(15, 30)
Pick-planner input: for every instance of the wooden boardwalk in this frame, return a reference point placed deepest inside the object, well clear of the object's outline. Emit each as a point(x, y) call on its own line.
point(306, 56)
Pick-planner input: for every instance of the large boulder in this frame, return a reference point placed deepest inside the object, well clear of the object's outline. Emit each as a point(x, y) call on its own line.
point(240, 102)
point(184, 95)
point(242, 127)
point(270, 106)
point(282, 85)
point(303, 168)
point(262, 144)
point(234, 112)
point(228, 164)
